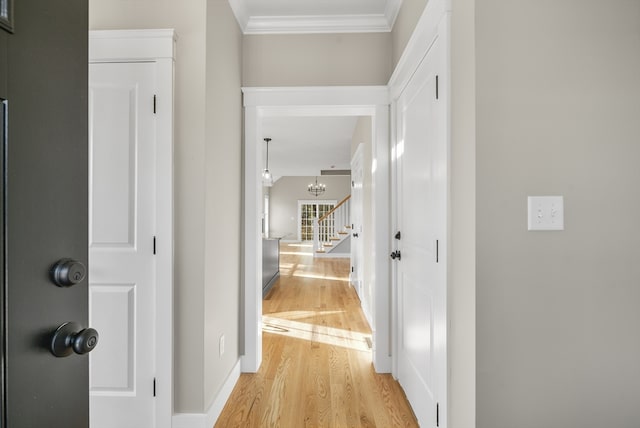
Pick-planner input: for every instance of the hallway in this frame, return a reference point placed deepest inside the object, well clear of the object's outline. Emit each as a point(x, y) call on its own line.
point(316, 368)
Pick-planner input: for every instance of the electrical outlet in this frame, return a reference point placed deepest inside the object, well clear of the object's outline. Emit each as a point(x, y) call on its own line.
point(221, 345)
point(545, 213)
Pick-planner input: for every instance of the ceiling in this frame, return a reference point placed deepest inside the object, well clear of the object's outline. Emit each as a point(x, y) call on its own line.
point(314, 16)
point(303, 146)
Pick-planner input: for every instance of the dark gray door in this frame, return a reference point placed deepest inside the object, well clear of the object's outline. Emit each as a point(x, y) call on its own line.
point(43, 82)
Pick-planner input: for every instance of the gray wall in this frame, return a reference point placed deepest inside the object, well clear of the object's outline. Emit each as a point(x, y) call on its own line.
point(223, 202)
point(462, 256)
point(316, 59)
point(405, 24)
point(207, 128)
point(558, 313)
point(284, 196)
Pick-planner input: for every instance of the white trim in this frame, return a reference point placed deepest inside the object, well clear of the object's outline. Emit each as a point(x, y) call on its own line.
point(317, 24)
point(251, 336)
point(207, 420)
point(310, 24)
point(381, 281)
point(314, 101)
point(393, 132)
point(154, 46)
point(131, 45)
point(392, 8)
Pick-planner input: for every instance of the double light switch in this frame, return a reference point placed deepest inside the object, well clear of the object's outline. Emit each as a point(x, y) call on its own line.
point(546, 213)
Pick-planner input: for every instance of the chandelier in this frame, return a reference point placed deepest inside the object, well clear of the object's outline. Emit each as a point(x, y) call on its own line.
point(316, 189)
point(267, 178)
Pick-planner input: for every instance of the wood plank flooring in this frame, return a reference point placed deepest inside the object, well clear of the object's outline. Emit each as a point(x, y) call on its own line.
point(316, 368)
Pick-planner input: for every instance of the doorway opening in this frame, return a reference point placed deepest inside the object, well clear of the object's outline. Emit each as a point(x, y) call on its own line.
point(263, 103)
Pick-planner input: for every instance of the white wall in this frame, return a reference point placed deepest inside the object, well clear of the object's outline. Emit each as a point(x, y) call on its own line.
point(287, 191)
point(558, 103)
point(316, 59)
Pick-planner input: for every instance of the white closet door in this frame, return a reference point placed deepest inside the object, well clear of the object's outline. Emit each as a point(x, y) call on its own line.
point(422, 221)
point(122, 289)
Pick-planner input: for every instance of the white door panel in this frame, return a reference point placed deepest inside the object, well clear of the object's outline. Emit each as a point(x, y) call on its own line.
point(422, 210)
point(357, 201)
point(121, 247)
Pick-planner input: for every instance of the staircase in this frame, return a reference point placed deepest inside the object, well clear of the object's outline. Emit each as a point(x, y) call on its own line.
point(332, 232)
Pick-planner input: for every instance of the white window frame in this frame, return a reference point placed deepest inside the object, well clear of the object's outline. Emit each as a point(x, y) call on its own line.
point(302, 202)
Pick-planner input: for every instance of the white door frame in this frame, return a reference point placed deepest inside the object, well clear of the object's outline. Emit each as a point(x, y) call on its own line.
point(156, 46)
point(435, 22)
point(315, 101)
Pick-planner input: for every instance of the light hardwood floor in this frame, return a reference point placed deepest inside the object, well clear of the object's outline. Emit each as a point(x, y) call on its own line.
point(316, 368)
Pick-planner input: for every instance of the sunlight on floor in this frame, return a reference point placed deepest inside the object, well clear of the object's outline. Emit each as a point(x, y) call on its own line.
point(296, 315)
point(300, 245)
point(316, 333)
point(296, 253)
point(315, 276)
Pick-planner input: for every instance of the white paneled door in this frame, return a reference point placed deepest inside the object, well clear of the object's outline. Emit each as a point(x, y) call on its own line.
point(122, 244)
point(420, 258)
point(357, 250)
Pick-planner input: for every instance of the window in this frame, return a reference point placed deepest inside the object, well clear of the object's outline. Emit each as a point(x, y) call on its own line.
point(308, 210)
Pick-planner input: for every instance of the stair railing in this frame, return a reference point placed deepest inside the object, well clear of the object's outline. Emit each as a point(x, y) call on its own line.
point(329, 227)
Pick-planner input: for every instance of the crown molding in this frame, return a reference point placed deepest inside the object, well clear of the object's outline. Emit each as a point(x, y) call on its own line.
point(239, 8)
point(391, 11)
point(310, 24)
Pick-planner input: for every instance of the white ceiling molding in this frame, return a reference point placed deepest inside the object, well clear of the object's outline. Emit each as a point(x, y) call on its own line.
point(280, 20)
point(311, 24)
point(391, 11)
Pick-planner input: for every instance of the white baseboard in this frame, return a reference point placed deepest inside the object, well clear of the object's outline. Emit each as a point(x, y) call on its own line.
point(188, 420)
point(207, 420)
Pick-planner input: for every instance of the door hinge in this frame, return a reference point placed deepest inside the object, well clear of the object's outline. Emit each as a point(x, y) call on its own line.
point(437, 87)
point(154, 245)
point(154, 104)
point(154, 386)
point(353, 183)
point(437, 251)
point(352, 269)
point(437, 414)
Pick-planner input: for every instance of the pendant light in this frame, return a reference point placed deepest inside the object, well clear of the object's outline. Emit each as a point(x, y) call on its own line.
point(267, 178)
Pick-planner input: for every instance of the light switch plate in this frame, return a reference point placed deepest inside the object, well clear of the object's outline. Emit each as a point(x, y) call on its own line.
point(546, 212)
